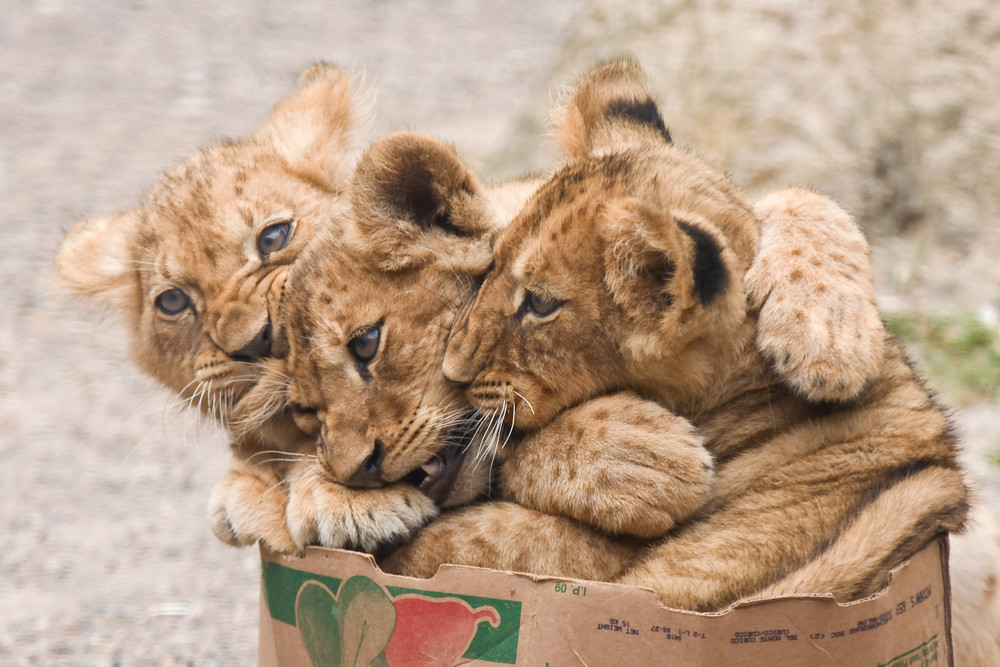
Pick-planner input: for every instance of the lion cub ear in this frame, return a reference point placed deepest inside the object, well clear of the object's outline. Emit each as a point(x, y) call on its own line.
point(655, 265)
point(95, 259)
point(611, 108)
point(315, 128)
point(415, 202)
point(644, 258)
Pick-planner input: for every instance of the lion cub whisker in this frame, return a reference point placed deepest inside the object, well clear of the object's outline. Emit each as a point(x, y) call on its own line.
point(288, 456)
point(513, 419)
point(489, 435)
point(281, 459)
point(523, 398)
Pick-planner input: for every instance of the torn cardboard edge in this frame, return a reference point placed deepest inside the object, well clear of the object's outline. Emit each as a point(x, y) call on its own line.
point(336, 607)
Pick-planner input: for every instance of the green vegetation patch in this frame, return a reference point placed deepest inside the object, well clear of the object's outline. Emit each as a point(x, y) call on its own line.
point(993, 456)
point(959, 354)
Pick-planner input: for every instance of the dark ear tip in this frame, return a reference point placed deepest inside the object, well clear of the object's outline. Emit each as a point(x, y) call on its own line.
point(644, 112)
point(617, 91)
point(403, 157)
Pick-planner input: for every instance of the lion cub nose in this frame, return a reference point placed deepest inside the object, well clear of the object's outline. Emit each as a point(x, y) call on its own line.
point(368, 474)
point(456, 368)
point(257, 348)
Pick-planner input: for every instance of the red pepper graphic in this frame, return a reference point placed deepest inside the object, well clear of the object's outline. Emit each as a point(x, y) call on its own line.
point(434, 632)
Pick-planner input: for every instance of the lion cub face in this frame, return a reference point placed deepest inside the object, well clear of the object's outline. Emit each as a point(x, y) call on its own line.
point(623, 272)
point(199, 266)
point(366, 318)
point(364, 356)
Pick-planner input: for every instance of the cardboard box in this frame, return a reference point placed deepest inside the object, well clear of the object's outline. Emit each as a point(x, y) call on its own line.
point(337, 608)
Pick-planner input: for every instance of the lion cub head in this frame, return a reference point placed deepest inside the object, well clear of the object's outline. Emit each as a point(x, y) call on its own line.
point(366, 317)
point(623, 271)
point(199, 266)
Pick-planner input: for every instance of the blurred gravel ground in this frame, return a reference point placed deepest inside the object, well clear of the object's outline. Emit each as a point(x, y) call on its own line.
point(106, 556)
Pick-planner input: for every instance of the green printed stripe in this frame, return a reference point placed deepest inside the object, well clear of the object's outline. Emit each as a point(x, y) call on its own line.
point(902, 656)
point(281, 585)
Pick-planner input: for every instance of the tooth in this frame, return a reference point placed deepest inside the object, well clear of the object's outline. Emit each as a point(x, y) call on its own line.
point(433, 466)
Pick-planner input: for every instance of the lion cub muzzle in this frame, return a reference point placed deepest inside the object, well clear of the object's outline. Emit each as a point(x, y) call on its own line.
point(368, 474)
point(257, 348)
point(374, 467)
point(353, 465)
point(244, 332)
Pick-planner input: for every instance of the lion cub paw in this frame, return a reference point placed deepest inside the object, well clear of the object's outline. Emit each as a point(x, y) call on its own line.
point(812, 279)
point(324, 513)
point(247, 506)
point(620, 463)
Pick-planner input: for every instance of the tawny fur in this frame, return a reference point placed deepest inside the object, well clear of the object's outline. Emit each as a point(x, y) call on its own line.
point(198, 234)
point(301, 158)
point(241, 523)
point(330, 514)
point(644, 249)
point(639, 472)
point(417, 241)
point(820, 328)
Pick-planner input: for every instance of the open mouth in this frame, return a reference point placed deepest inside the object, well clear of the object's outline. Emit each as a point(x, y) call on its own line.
point(436, 478)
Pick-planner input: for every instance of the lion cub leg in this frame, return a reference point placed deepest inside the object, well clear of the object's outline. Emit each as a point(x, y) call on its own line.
point(482, 536)
point(620, 463)
point(248, 505)
point(812, 279)
point(330, 515)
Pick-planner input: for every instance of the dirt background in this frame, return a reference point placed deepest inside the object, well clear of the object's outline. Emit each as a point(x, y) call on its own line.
point(105, 555)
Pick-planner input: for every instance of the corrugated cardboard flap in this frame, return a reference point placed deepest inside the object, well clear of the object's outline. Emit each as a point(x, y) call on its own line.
point(312, 609)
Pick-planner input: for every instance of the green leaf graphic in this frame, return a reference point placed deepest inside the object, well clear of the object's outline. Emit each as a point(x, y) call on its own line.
point(351, 629)
point(319, 627)
point(367, 620)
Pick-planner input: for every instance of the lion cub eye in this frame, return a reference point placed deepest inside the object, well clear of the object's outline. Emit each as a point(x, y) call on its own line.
point(540, 305)
point(274, 237)
point(364, 346)
point(172, 302)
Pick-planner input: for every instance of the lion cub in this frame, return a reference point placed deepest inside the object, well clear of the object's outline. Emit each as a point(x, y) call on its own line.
point(198, 269)
point(363, 325)
point(624, 276)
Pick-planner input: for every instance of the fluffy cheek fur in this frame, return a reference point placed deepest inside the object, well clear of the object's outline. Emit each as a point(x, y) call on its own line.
point(531, 381)
point(176, 343)
point(555, 377)
point(529, 368)
point(179, 353)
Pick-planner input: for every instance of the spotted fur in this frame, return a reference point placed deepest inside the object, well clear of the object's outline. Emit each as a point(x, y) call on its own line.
point(416, 240)
point(415, 246)
point(644, 250)
point(198, 268)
